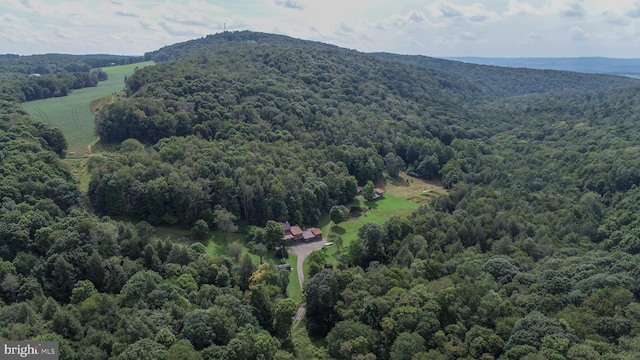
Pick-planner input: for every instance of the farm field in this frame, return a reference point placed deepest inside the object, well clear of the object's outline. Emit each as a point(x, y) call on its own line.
point(72, 114)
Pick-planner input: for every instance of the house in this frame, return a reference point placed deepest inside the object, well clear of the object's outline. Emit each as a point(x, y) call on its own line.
point(292, 233)
point(378, 193)
point(295, 233)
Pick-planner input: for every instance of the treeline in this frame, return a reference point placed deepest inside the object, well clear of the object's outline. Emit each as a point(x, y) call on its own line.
point(60, 63)
point(21, 88)
point(184, 179)
point(110, 290)
point(35, 77)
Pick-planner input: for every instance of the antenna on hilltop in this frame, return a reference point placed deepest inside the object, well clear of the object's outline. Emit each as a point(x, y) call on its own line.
point(224, 27)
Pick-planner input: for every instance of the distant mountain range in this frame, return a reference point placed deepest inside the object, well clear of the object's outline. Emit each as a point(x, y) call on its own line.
point(596, 65)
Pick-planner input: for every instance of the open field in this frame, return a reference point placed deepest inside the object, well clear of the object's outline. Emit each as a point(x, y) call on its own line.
point(72, 114)
point(405, 185)
point(401, 198)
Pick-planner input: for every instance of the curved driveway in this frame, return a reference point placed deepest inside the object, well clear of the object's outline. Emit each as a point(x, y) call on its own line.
point(301, 251)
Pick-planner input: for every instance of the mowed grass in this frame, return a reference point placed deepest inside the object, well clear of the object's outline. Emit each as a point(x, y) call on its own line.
point(71, 113)
point(379, 212)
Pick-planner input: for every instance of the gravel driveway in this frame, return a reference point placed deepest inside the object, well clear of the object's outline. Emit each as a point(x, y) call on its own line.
point(301, 250)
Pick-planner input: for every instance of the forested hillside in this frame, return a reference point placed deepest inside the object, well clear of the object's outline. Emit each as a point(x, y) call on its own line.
point(107, 289)
point(512, 81)
point(593, 65)
point(290, 131)
point(533, 252)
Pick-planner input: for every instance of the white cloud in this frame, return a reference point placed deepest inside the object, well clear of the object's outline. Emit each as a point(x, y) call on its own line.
point(411, 17)
point(475, 13)
point(615, 19)
point(574, 10)
point(436, 27)
point(290, 4)
point(516, 8)
point(634, 12)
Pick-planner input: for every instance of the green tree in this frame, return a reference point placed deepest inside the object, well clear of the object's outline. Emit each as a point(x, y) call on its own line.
point(144, 349)
point(368, 191)
point(273, 234)
point(225, 221)
point(406, 346)
point(198, 329)
point(245, 270)
point(373, 238)
point(263, 308)
point(82, 290)
point(321, 293)
point(316, 261)
point(235, 250)
point(182, 351)
point(260, 250)
point(283, 317)
point(345, 340)
point(165, 337)
point(393, 164)
point(338, 214)
point(200, 229)
point(531, 329)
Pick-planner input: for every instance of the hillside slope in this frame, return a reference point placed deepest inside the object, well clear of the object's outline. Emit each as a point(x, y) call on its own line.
point(509, 81)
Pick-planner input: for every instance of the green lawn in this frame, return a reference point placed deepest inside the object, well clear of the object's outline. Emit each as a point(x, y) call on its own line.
point(380, 211)
point(71, 113)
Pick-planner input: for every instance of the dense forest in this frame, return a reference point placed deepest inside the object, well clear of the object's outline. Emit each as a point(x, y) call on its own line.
point(533, 253)
point(512, 81)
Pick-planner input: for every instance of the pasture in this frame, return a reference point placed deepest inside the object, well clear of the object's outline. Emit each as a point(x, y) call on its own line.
point(72, 114)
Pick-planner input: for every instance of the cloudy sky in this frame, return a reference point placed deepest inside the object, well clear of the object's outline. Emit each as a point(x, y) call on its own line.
point(492, 28)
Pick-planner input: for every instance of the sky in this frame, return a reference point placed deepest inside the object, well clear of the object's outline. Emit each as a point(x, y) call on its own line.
point(439, 28)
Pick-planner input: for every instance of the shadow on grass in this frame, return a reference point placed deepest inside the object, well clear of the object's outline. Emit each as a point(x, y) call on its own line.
point(336, 229)
point(372, 204)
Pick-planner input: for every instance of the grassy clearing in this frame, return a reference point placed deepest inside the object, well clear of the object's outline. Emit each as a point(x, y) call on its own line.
point(69, 113)
point(403, 195)
point(293, 290)
point(73, 114)
point(409, 186)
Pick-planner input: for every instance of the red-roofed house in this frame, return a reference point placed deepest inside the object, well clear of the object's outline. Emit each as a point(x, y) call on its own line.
point(378, 193)
point(295, 233)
